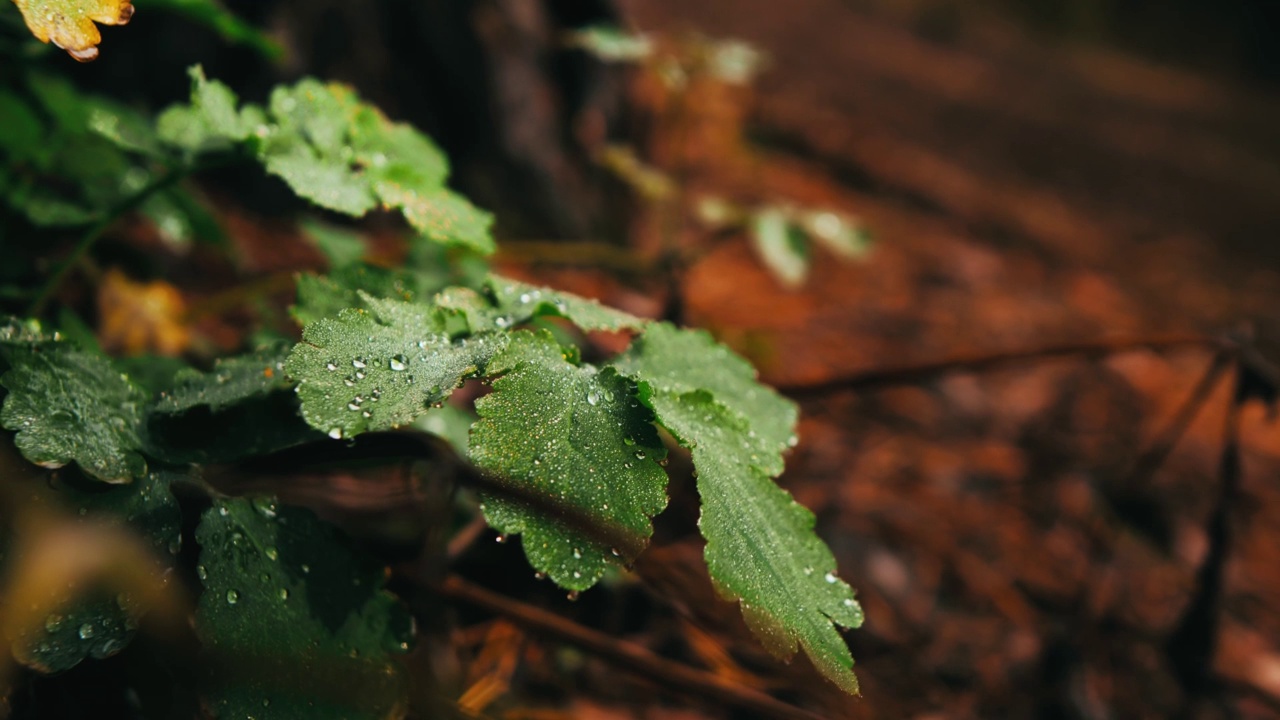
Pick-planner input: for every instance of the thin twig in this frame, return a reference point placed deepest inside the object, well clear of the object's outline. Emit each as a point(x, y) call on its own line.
point(624, 654)
point(914, 373)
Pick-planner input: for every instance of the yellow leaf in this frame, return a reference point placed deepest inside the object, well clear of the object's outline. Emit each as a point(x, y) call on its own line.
point(136, 318)
point(69, 24)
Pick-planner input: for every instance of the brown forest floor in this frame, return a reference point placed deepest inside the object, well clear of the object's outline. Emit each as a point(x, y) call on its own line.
point(1010, 561)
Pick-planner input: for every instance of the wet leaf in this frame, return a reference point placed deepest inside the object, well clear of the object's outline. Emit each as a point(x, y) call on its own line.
point(505, 303)
point(244, 406)
point(381, 368)
point(232, 381)
point(295, 622)
point(576, 436)
point(761, 548)
point(69, 24)
point(612, 44)
point(113, 580)
point(71, 406)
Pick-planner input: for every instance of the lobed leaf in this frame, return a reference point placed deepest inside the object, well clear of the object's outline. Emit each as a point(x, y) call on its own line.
point(576, 436)
point(761, 548)
point(232, 381)
point(71, 406)
point(69, 24)
point(679, 361)
point(504, 303)
point(380, 368)
point(296, 623)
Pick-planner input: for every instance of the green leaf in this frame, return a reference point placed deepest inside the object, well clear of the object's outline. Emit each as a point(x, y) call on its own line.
point(678, 361)
point(242, 408)
point(228, 26)
point(449, 423)
point(506, 303)
point(381, 368)
point(71, 406)
point(212, 120)
point(761, 549)
point(341, 247)
point(612, 44)
point(295, 622)
point(122, 126)
point(91, 622)
point(780, 246)
point(577, 437)
point(442, 216)
point(22, 132)
point(232, 381)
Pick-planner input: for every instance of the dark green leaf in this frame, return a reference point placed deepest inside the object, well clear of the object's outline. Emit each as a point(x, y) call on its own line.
point(579, 438)
point(296, 623)
point(71, 406)
point(232, 381)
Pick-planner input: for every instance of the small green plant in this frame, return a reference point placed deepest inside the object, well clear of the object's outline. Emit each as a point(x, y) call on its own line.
point(573, 451)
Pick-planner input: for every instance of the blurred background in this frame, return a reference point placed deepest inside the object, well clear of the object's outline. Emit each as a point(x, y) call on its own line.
point(871, 199)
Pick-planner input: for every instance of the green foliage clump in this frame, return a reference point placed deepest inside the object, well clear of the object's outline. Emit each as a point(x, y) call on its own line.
point(294, 618)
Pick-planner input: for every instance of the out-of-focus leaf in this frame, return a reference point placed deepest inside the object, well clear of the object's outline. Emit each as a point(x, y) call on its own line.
point(341, 247)
point(779, 246)
point(381, 368)
point(138, 318)
point(69, 24)
point(612, 44)
point(838, 232)
point(296, 623)
point(99, 615)
point(228, 26)
point(578, 437)
point(450, 423)
point(125, 128)
point(21, 132)
point(70, 406)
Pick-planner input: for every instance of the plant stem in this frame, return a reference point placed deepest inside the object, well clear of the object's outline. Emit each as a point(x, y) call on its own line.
point(95, 231)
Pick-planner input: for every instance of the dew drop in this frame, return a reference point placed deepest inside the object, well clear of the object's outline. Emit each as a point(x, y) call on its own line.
point(577, 554)
point(500, 539)
point(573, 594)
point(359, 375)
point(593, 397)
point(202, 572)
point(849, 603)
point(359, 364)
point(524, 298)
point(353, 406)
point(330, 366)
point(272, 554)
point(53, 623)
point(640, 455)
point(233, 597)
point(336, 433)
point(306, 569)
point(349, 381)
point(87, 631)
point(539, 576)
point(284, 594)
point(830, 577)
point(808, 571)
point(502, 321)
point(398, 363)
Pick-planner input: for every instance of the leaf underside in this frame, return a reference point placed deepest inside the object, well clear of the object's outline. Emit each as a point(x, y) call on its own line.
point(577, 437)
point(294, 621)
